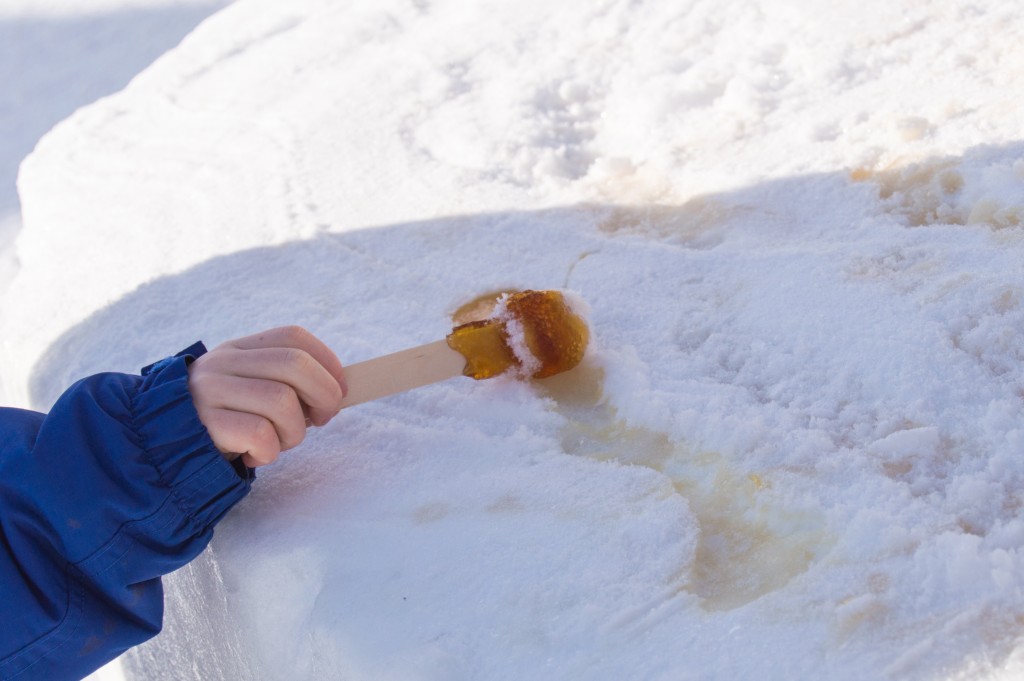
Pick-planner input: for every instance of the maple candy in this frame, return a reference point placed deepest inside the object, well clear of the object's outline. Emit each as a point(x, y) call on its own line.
point(535, 334)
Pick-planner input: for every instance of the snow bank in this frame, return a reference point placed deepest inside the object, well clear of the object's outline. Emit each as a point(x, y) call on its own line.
point(58, 55)
point(795, 448)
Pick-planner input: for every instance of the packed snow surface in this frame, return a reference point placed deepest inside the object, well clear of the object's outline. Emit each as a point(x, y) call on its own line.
point(795, 448)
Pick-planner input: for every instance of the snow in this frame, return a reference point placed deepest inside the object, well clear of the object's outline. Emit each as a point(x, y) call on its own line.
point(794, 448)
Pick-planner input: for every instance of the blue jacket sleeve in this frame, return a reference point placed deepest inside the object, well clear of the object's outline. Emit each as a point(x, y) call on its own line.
point(116, 486)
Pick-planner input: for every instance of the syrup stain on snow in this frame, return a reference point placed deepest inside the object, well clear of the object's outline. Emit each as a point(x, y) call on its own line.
point(696, 224)
point(748, 546)
point(986, 188)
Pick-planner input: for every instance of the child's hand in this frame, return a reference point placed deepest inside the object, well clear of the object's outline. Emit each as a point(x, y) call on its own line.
point(256, 395)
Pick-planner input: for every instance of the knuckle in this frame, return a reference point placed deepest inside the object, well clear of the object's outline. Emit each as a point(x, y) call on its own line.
point(280, 397)
point(271, 455)
point(294, 439)
point(298, 361)
point(337, 395)
point(264, 436)
point(295, 333)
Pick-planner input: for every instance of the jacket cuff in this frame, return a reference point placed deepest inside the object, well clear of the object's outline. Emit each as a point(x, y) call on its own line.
point(204, 484)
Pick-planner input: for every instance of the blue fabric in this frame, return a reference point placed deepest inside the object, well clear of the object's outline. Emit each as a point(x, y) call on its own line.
point(116, 486)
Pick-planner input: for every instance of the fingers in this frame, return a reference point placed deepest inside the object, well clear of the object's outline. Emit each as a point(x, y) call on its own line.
point(253, 435)
point(300, 339)
point(271, 401)
point(257, 394)
point(316, 388)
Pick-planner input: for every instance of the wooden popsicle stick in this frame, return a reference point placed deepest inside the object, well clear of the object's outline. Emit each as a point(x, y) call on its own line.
point(401, 371)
